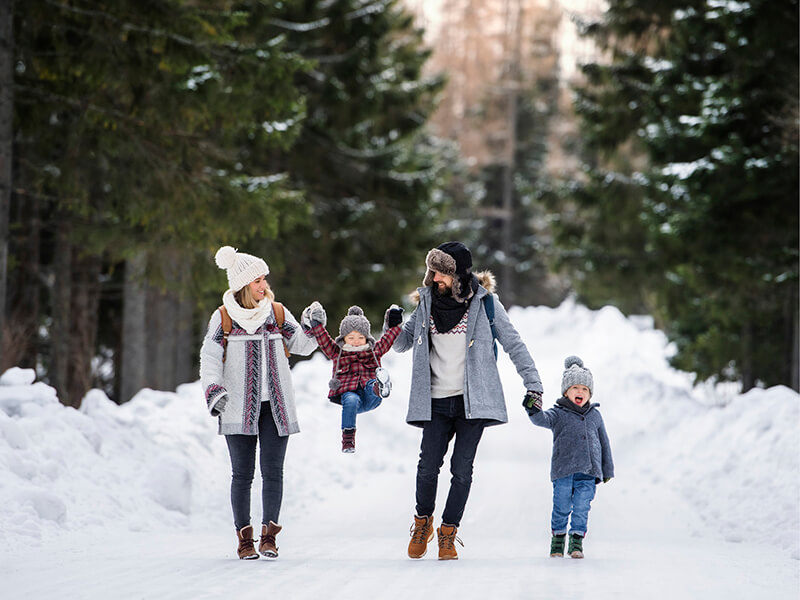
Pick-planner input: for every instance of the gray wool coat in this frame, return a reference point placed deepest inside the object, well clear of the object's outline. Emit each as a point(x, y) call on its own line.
point(580, 442)
point(483, 390)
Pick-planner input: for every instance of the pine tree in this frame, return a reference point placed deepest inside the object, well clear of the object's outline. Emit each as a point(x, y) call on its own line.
point(130, 120)
point(691, 208)
point(366, 166)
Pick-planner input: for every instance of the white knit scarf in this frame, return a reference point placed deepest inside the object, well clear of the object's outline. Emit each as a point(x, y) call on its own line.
point(249, 318)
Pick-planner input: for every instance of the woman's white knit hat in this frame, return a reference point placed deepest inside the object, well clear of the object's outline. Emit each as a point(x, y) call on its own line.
point(242, 268)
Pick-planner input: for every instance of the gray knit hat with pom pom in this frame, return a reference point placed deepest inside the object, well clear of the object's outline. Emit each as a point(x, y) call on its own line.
point(576, 374)
point(355, 321)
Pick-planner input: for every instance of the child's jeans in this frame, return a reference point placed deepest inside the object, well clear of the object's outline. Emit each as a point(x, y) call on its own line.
point(572, 494)
point(358, 401)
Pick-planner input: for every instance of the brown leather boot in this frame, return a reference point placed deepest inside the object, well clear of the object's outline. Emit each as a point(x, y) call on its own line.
point(267, 545)
point(247, 549)
point(447, 540)
point(421, 534)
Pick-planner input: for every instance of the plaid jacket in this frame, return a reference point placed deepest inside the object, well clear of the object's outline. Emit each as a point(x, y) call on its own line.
point(355, 369)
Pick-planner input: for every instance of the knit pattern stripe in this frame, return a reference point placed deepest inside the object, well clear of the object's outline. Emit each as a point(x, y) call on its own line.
point(460, 328)
point(278, 404)
point(252, 386)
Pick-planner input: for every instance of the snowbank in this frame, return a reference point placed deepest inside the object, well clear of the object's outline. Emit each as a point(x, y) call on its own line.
point(157, 462)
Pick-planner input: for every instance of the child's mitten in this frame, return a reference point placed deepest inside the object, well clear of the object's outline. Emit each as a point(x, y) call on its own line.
point(532, 402)
point(313, 315)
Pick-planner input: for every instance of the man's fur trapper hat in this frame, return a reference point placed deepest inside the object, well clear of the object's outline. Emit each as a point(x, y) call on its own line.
point(455, 260)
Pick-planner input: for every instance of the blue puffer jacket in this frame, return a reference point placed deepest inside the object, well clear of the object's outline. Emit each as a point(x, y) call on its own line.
point(580, 441)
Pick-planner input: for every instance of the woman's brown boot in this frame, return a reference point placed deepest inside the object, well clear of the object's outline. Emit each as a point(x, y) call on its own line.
point(267, 545)
point(247, 549)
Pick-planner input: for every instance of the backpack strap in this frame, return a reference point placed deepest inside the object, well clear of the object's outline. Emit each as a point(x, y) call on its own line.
point(227, 325)
point(488, 306)
point(280, 318)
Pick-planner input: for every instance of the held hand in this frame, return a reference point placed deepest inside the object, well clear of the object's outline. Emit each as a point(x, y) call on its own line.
point(393, 316)
point(219, 407)
point(318, 316)
point(532, 402)
point(606, 479)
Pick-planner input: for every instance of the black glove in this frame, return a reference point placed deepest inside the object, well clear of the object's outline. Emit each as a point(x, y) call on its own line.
point(532, 402)
point(394, 316)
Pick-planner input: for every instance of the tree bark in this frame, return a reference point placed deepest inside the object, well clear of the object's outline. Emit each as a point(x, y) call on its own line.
point(6, 146)
point(83, 330)
point(133, 370)
point(61, 299)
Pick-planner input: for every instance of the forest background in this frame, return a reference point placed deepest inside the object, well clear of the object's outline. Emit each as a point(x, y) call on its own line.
point(651, 163)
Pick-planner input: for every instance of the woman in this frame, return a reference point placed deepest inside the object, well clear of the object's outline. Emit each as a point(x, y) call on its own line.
point(245, 373)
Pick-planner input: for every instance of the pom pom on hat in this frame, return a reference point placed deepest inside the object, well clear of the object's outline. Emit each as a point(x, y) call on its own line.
point(576, 374)
point(225, 257)
point(242, 268)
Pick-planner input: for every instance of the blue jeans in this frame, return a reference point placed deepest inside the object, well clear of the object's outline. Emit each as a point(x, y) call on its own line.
point(447, 421)
point(572, 494)
point(358, 401)
point(242, 450)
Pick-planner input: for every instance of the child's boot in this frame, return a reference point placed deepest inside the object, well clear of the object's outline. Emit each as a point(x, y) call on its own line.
point(447, 542)
point(575, 549)
point(384, 382)
point(349, 440)
point(246, 549)
point(267, 546)
point(557, 544)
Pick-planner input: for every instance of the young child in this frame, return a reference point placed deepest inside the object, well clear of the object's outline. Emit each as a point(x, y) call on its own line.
point(359, 383)
point(581, 454)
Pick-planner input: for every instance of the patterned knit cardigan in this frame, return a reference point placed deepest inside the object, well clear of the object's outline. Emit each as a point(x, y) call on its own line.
point(355, 368)
point(255, 370)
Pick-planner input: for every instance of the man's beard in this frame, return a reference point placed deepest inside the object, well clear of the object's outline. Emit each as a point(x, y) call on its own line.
point(443, 289)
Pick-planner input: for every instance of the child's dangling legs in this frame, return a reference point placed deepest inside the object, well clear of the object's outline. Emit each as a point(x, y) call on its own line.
point(354, 403)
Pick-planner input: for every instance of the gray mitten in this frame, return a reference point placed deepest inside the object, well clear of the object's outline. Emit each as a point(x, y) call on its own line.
point(317, 314)
point(219, 407)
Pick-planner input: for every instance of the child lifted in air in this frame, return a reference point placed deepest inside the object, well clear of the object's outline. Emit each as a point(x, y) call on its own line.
point(359, 383)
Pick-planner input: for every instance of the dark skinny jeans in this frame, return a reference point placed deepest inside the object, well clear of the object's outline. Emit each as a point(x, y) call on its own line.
point(242, 450)
point(447, 421)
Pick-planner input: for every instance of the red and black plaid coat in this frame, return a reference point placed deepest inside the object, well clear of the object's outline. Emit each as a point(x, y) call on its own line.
point(355, 368)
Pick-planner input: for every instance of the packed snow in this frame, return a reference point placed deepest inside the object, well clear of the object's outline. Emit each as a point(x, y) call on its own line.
point(132, 501)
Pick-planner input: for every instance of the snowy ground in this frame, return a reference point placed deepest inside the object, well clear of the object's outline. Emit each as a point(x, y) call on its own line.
point(132, 501)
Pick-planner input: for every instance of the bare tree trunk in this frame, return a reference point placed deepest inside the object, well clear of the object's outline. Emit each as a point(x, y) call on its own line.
point(83, 333)
point(748, 377)
point(794, 376)
point(161, 314)
point(184, 343)
point(6, 145)
point(133, 370)
point(61, 299)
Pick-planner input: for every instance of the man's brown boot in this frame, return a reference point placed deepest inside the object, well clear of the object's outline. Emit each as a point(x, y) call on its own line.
point(247, 549)
point(267, 545)
point(447, 542)
point(421, 534)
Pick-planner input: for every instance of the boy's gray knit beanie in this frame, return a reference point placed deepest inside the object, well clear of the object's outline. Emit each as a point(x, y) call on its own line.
point(355, 321)
point(576, 374)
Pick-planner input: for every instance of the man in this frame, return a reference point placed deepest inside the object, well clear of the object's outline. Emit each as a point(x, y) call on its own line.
point(455, 386)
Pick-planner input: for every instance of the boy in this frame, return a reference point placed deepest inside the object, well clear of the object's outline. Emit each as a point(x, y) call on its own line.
point(581, 455)
point(359, 383)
